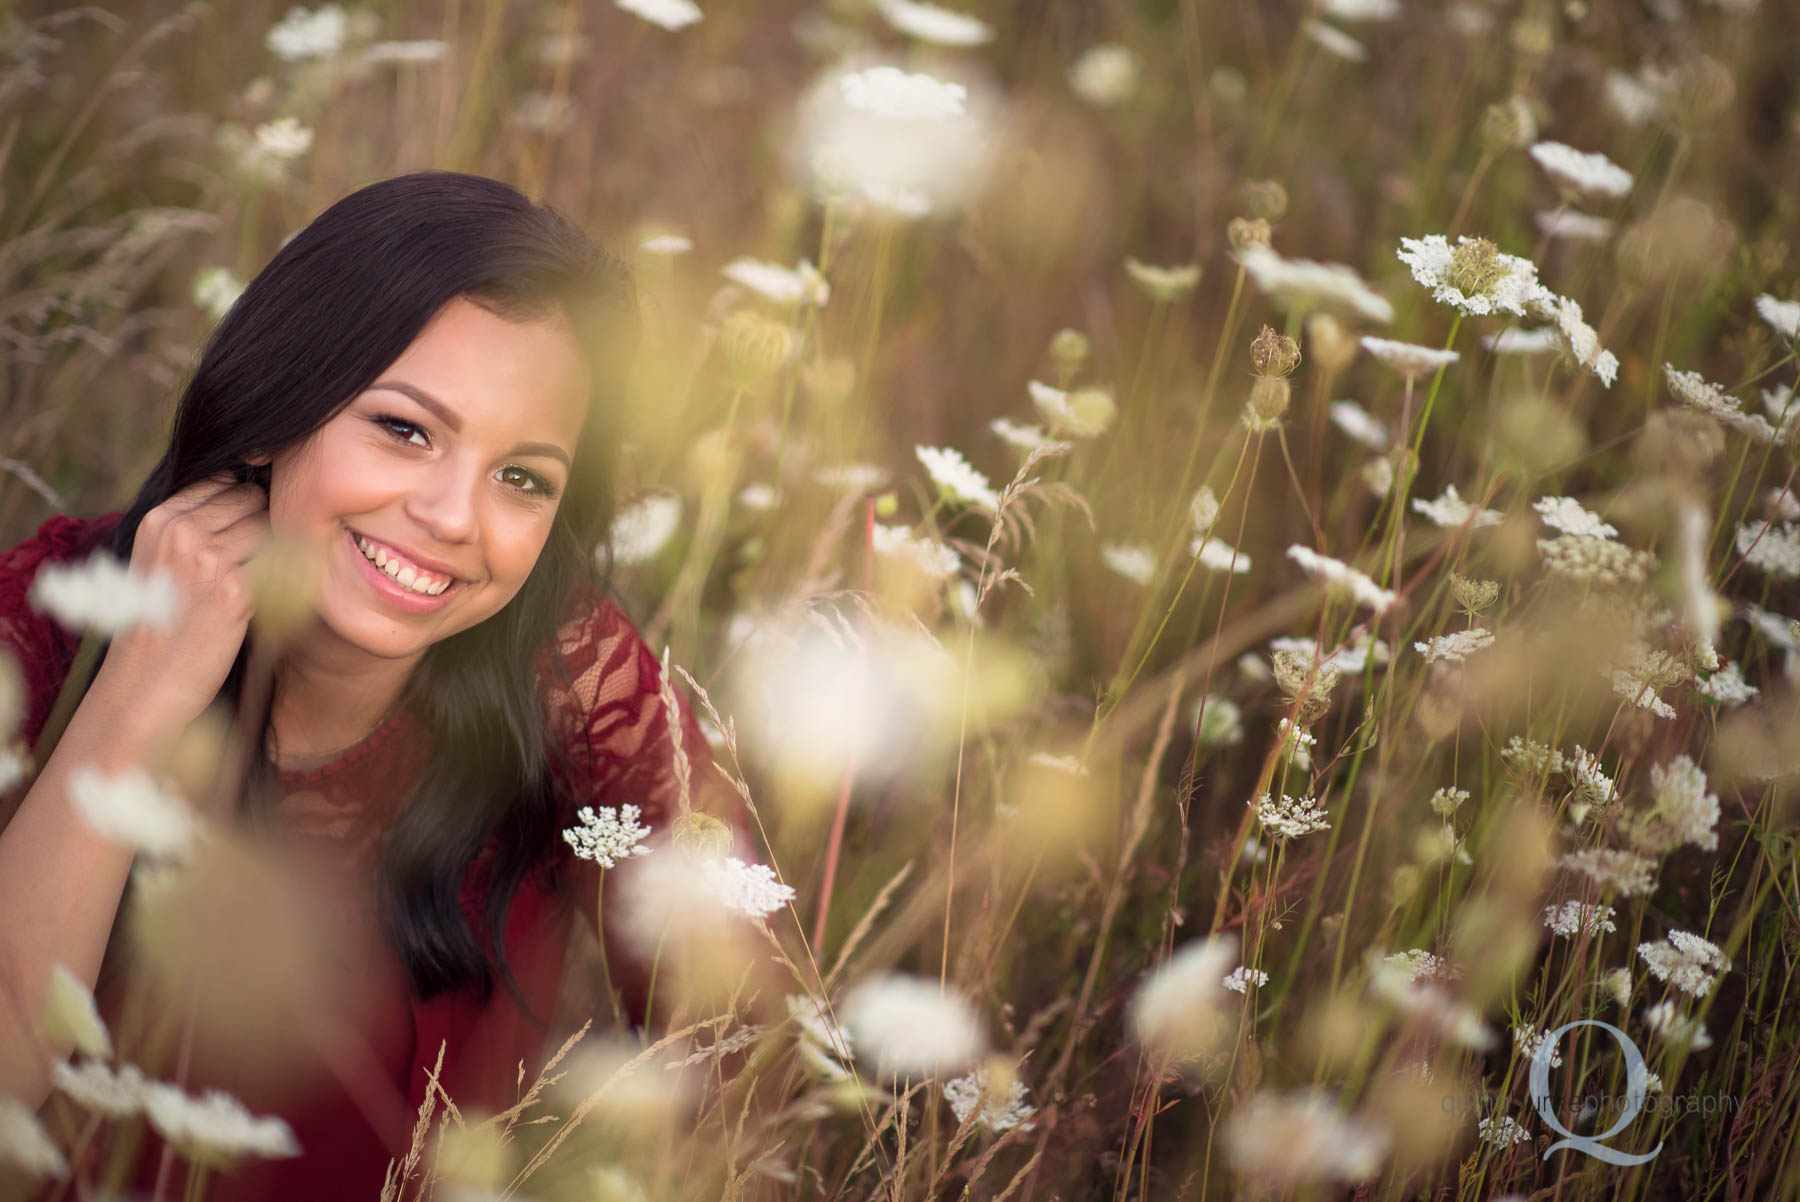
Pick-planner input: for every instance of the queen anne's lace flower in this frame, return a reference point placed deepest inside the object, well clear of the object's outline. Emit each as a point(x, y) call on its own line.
point(670, 14)
point(1516, 341)
point(1084, 413)
point(1241, 978)
point(1304, 284)
point(1025, 438)
point(1456, 647)
point(1575, 171)
point(956, 479)
point(93, 1086)
point(749, 889)
point(1290, 817)
point(1686, 961)
point(911, 1026)
point(1772, 548)
point(1472, 276)
point(1134, 561)
point(1450, 511)
point(1783, 316)
point(1578, 337)
point(1574, 917)
point(887, 91)
point(1357, 422)
point(608, 835)
point(1175, 1011)
point(1726, 686)
point(644, 527)
point(1409, 358)
point(26, 1146)
point(1672, 1028)
point(1502, 1131)
point(1623, 872)
point(1577, 227)
point(1163, 283)
point(1528, 1039)
point(929, 556)
point(1566, 514)
point(1284, 1141)
point(965, 1094)
point(71, 1017)
point(1340, 577)
point(308, 34)
point(1335, 41)
point(215, 1127)
point(1696, 393)
point(1683, 810)
point(1105, 75)
point(102, 595)
point(131, 809)
point(825, 1045)
point(784, 285)
point(929, 23)
point(1219, 556)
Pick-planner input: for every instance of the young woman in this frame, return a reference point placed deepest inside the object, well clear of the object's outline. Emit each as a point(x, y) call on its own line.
point(417, 393)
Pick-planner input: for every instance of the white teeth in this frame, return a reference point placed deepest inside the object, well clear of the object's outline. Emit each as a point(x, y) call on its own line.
point(411, 577)
point(381, 558)
point(392, 568)
point(406, 576)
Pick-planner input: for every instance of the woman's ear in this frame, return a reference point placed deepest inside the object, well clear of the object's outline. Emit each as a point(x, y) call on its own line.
point(261, 459)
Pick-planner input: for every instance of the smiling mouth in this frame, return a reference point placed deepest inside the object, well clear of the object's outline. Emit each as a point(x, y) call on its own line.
point(402, 571)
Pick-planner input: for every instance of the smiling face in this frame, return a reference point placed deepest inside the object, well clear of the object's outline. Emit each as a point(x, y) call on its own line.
point(430, 495)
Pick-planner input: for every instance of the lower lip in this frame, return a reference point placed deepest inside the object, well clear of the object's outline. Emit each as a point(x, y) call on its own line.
point(393, 590)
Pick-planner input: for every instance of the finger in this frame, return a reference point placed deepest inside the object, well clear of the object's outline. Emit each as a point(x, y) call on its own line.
point(244, 537)
point(224, 508)
point(195, 495)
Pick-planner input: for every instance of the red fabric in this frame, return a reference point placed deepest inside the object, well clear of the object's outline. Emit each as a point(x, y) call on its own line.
point(354, 1110)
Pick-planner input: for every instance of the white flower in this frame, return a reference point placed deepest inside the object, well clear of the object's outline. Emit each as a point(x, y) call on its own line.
point(1134, 561)
point(670, 14)
point(1446, 801)
point(1163, 283)
point(825, 1045)
point(1450, 510)
point(1503, 1131)
point(784, 285)
point(1025, 438)
point(1683, 810)
point(1670, 1027)
point(1566, 514)
point(758, 496)
point(1084, 413)
point(1175, 1013)
point(1575, 171)
point(1782, 505)
point(1771, 548)
point(419, 50)
point(1408, 358)
point(1070, 764)
point(929, 23)
point(1304, 284)
point(1783, 316)
point(1514, 280)
point(1219, 555)
point(956, 479)
point(1454, 648)
point(929, 556)
point(1335, 41)
point(1357, 422)
point(1282, 1141)
point(996, 1113)
point(1528, 1039)
point(26, 1146)
point(1420, 966)
point(1577, 227)
point(93, 1086)
point(1640, 693)
point(1630, 99)
point(1290, 817)
point(1240, 979)
point(216, 289)
point(1219, 721)
point(887, 91)
point(608, 835)
point(1361, 10)
point(302, 34)
point(70, 1016)
point(666, 244)
point(1349, 659)
point(1726, 686)
point(1624, 872)
point(852, 478)
point(1515, 341)
point(1573, 917)
point(749, 889)
point(1578, 337)
point(1592, 784)
point(1686, 961)
point(1203, 510)
point(215, 1126)
point(131, 809)
point(1105, 75)
point(640, 530)
point(102, 595)
point(1339, 577)
point(283, 139)
point(1695, 392)
point(911, 1026)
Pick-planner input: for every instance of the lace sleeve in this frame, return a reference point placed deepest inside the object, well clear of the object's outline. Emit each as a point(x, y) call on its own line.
point(41, 649)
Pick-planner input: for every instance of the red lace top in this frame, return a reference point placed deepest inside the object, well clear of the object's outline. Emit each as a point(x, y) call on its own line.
point(362, 1043)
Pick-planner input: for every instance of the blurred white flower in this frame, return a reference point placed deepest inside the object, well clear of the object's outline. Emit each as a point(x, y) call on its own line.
point(214, 1127)
point(1672, 1028)
point(1576, 227)
point(670, 14)
point(1203, 510)
point(102, 595)
point(1527, 1039)
point(1685, 961)
point(666, 244)
point(1304, 284)
point(1515, 341)
point(1134, 561)
point(1025, 438)
point(543, 112)
point(1578, 337)
point(1219, 556)
point(608, 835)
point(1455, 648)
point(1283, 1141)
point(1219, 721)
point(1696, 392)
point(1473, 276)
point(1566, 514)
point(784, 285)
point(1682, 810)
point(758, 496)
point(955, 479)
point(887, 91)
point(1783, 316)
point(824, 1044)
point(1348, 660)
point(1241, 978)
point(1502, 1131)
point(641, 529)
point(93, 1086)
point(1726, 686)
point(26, 1146)
point(965, 1094)
point(1336, 42)
point(1359, 424)
point(1163, 283)
point(1623, 872)
point(1578, 172)
point(1782, 504)
point(1290, 817)
point(1360, 10)
point(1340, 578)
point(1632, 100)
point(911, 1027)
point(216, 289)
point(929, 23)
point(1771, 548)
point(1409, 359)
point(1070, 764)
point(1083, 413)
point(750, 889)
point(1573, 917)
point(71, 1017)
point(1105, 75)
point(852, 477)
point(420, 50)
point(283, 139)
point(928, 555)
point(304, 34)
point(132, 809)
point(1450, 510)
point(1177, 1011)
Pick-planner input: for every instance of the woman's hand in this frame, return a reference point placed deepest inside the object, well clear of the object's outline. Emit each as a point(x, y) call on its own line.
point(201, 537)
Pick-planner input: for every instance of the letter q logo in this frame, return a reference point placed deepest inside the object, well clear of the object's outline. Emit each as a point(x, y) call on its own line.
point(1636, 1088)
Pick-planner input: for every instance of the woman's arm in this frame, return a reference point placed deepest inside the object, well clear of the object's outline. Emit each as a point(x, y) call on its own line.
point(60, 884)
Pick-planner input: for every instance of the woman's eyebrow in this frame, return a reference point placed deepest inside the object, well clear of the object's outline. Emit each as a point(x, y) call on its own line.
point(450, 418)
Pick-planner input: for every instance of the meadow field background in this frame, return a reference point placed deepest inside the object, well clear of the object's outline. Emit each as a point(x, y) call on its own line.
point(1210, 750)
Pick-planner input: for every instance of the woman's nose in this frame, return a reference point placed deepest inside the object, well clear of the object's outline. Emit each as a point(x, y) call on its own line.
point(445, 503)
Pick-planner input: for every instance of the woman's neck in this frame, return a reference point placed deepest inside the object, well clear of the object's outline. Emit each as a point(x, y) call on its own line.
point(329, 695)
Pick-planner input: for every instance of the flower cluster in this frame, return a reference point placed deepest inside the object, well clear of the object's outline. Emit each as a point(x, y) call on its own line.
point(1579, 917)
point(996, 1112)
point(1290, 817)
point(607, 835)
point(1686, 961)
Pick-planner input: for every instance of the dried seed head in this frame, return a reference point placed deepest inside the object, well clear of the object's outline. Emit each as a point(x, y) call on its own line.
point(1069, 350)
point(1472, 595)
point(1245, 232)
point(754, 347)
point(1265, 198)
point(1332, 346)
point(1508, 125)
point(1269, 398)
point(701, 834)
point(1273, 354)
point(1475, 267)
